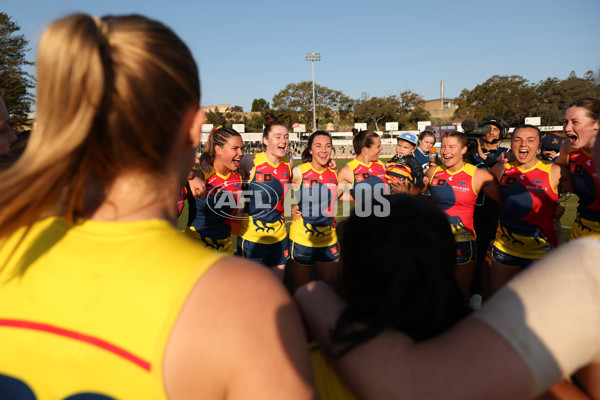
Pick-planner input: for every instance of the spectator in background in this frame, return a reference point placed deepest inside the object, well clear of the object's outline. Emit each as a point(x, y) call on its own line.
point(551, 147)
point(487, 211)
point(421, 153)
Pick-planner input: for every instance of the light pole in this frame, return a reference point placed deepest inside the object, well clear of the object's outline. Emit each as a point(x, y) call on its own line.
point(312, 57)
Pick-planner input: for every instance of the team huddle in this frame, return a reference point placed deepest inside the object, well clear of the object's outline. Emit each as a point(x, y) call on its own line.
point(523, 185)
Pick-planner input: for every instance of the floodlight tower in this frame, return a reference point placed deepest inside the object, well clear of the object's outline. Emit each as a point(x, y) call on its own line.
point(312, 57)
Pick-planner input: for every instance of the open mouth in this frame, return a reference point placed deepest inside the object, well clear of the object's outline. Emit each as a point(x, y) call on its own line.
point(523, 153)
point(236, 162)
point(572, 138)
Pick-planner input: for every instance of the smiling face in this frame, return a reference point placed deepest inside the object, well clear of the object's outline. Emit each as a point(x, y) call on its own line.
point(452, 151)
point(277, 141)
point(525, 145)
point(320, 151)
point(426, 143)
point(372, 152)
point(581, 130)
point(230, 154)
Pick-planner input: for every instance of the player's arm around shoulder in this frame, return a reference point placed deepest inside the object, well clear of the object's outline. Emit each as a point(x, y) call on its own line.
point(238, 336)
point(497, 170)
point(430, 173)
point(296, 178)
point(345, 180)
point(484, 180)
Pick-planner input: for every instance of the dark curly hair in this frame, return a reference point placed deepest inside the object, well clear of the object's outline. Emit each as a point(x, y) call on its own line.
point(398, 273)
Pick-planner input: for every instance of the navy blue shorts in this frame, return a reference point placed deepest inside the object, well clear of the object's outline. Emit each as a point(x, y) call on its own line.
point(305, 255)
point(510, 261)
point(466, 252)
point(270, 255)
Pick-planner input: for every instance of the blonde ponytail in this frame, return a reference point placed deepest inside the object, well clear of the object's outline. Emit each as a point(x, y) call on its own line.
point(112, 93)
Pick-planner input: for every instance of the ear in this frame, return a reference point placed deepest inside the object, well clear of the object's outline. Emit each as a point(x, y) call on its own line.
point(464, 150)
point(194, 134)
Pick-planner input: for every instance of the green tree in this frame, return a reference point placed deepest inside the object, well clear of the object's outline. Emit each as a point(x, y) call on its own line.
point(15, 82)
point(510, 97)
point(237, 109)
point(556, 95)
point(216, 118)
point(294, 103)
point(260, 105)
point(411, 109)
point(377, 110)
point(254, 123)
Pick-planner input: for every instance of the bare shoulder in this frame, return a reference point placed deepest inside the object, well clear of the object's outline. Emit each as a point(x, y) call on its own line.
point(345, 174)
point(237, 334)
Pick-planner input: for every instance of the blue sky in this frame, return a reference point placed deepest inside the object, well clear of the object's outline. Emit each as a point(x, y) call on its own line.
point(253, 49)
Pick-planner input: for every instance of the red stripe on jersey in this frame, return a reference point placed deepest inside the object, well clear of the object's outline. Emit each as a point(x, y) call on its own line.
point(94, 341)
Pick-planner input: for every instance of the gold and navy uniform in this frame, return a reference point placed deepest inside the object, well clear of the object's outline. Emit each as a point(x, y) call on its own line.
point(584, 178)
point(317, 197)
point(454, 194)
point(88, 310)
point(368, 179)
point(209, 219)
point(263, 211)
point(526, 227)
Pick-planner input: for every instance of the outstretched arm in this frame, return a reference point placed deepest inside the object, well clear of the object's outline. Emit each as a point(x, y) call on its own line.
point(485, 181)
point(470, 361)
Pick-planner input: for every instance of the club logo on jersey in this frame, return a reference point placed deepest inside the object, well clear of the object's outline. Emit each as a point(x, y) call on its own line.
point(286, 252)
point(334, 250)
point(438, 182)
point(576, 168)
point(508, 180)
point(233, 195)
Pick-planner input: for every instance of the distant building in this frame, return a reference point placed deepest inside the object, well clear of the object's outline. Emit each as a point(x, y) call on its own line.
point(443, 111)
point(220, 107)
